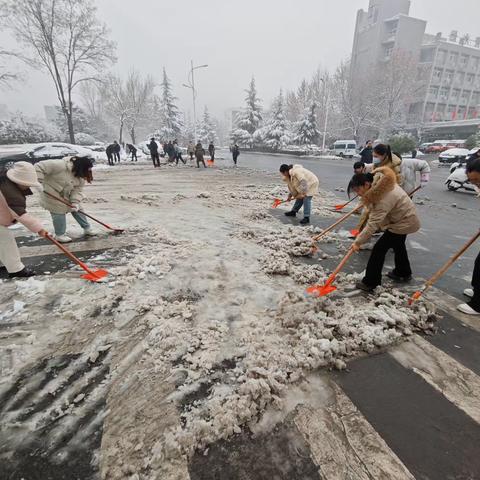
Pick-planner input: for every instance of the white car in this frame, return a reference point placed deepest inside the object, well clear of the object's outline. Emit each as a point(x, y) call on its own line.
point(453, 155)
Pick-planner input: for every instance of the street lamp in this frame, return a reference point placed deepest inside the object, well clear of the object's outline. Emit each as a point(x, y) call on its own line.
point(191, 85)
point(327, 104)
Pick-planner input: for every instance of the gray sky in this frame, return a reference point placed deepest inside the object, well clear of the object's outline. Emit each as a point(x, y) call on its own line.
point(279, 41)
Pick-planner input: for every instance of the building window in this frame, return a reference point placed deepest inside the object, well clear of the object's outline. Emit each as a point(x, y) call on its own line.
point(470, 79)
point(461, 113)
point(433, 91)
point(427, 54)
point(442, 57)
point(449, 77)
point(451, 111)
point(444, 92)
point(437, 74)
point(464, 61)
point(460, 78)
point(455, 93)
point(475, 63)
point(453, 58)
point(388, 53)
point(465, 96)
point(475, 98)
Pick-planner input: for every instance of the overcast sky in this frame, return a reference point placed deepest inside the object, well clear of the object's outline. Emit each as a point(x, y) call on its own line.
point(278, 41)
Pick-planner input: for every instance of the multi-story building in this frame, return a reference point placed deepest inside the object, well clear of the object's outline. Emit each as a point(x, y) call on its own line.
point(448, 68)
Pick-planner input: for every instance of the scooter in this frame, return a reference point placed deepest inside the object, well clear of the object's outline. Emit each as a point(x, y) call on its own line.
point(458, 179)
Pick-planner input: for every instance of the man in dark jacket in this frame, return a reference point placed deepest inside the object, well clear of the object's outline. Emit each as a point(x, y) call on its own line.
point(153, 147)
point(367, 153)
point(235, 153)
point(199, 153)
point(211, 151)
point(133, 150)
point(110, 152)
point(116, 151)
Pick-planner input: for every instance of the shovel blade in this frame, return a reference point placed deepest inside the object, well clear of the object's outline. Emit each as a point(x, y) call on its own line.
point(276, 203)
point(95, 275)
point(118, 231)
point(414, 297)
point(340, 207)
point(354, 232)
point(321, 290)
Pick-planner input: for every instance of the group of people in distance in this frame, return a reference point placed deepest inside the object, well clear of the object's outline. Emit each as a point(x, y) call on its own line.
point(384, 183)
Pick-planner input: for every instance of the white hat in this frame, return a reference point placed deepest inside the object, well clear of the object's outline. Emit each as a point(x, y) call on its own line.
point(23, 173)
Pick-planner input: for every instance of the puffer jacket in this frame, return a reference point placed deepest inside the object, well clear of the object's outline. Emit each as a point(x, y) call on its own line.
point(302, 182)
point(395, 165)
point(410, 167)
point(389, 207)
point(57, 178)
point(13, 206)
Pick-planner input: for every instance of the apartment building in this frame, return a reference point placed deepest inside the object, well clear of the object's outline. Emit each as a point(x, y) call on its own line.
point(448, 67)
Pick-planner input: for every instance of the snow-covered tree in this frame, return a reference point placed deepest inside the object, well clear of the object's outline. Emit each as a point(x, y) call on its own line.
point(208, 130)
point(170, 116)
point(22, 130)
point(250, 119)
point(306, 131)
point(276, 133)
point(116, 102)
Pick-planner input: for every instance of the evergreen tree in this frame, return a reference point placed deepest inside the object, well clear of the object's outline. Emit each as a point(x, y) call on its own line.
point(250, 119)
point(208, 130)
point(170, 117)
point(306, 129)
point(275, 133)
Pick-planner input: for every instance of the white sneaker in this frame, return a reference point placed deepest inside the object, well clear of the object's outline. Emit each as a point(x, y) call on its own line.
point(88, 232)
point(468, 292)
point(464, 308)
point(63, 238)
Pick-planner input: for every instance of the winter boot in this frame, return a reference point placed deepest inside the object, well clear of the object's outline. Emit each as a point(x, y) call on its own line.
point(292, 213)
point(88, 232)
point(364, 287)
point(63, 238)
point(397, 278)
point(468, 292)
point(25, 273)
point(466, 308)
point(305, 221)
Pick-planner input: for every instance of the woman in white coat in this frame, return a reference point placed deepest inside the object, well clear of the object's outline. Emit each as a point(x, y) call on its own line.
point(409, 168)
point(65, 179)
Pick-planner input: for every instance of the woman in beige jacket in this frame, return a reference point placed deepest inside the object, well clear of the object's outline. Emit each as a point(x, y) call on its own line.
point(65, 179)
point(302, 185)
point(392, 211)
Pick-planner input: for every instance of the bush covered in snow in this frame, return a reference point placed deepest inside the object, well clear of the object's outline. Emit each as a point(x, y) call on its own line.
point(402, 143)
point(22, 130)
point(84, 139)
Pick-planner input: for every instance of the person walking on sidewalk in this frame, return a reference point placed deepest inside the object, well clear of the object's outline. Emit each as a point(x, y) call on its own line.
point(178, 153)
point(392, 211)
point(66, 179)
point(14, 188)
point(153, 147)
point(235, 153)
point(110, 153)
point(302, 185)
point(199, 153)
point(211, 151)
point(133, 151)
point(472, 307)
point(191, 150)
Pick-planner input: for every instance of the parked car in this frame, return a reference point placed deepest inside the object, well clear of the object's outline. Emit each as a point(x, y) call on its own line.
point(34, 153)
point(437, 147)
point(453, 155)
point(345, 148)
point(424, 146)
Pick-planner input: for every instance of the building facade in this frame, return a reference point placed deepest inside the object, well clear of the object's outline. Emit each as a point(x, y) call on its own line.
point(448, 69)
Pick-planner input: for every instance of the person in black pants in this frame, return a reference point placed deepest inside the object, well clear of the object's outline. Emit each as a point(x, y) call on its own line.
point(392, 211)
point(199, 153)
point(473, 306)
point(366, 154)
point(116, 151)
point(153, 147)
point(235, 153)
point(133, 151)
point(109, 151)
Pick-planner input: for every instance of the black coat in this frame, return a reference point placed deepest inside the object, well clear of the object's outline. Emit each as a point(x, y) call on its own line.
point(153, 147)
point(110, 149)
point(367, 155)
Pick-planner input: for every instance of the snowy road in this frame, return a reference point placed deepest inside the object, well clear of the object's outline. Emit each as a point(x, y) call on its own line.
point(202, 358)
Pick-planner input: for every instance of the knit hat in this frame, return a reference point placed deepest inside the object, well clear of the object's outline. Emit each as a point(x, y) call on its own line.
point(23, 173)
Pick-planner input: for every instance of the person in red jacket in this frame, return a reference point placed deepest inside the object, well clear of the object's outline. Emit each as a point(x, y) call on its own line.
point(14, 188)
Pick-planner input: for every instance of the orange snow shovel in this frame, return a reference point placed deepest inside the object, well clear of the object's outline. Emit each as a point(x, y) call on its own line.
point(210, 163)
point(278, 202)
point(61, 200)
point(343, 205)
point(92, 275)
point(338, 222)
point(442, 270)
point(322, 290)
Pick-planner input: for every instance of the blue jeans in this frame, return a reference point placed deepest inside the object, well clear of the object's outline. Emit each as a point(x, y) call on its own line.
point(60, 222)
point(306, 203)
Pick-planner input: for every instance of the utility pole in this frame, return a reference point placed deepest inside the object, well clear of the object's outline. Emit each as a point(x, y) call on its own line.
point(327, 105)
point(191, 85)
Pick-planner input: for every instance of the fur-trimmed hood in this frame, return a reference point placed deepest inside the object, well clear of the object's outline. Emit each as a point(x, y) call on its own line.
point(384, 181)
point(395, 165)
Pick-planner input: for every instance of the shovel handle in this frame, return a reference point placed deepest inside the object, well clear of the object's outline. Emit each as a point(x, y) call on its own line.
point(414, 191)
point(69, 254)
point(61, 200)
point(338, 222)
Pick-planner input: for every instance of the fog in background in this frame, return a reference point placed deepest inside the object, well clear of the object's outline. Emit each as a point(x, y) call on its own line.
point(278, 41)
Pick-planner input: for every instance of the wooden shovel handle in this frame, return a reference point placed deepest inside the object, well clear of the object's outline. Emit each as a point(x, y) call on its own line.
point(338, 222)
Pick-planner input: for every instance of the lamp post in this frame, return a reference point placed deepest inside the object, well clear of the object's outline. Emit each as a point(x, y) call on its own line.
point(191, 85)
point(327, 105)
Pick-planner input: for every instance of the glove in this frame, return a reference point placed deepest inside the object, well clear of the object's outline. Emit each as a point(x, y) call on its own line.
point(75, 208)
point(424, 179)
point(42, 233)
